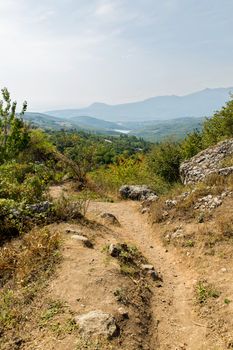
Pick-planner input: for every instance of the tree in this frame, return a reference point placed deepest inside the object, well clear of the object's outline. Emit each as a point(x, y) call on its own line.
point(220, 126)
point(14, 134)
point(164, 160)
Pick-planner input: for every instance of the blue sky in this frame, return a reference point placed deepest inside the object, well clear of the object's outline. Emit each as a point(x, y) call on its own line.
point(69, 53)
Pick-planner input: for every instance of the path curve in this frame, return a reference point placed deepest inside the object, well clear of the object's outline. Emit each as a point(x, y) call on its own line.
point(173, 304)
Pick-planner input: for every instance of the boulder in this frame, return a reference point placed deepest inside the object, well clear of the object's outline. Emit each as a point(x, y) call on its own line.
point(136, 192)
point(97, 323)
point(207, 162)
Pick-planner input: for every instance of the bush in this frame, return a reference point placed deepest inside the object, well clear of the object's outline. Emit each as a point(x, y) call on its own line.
point(65, 209)
point(129, 171)
point(164, 160)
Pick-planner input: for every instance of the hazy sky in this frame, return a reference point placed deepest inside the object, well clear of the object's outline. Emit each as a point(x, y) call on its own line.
point(69, 53)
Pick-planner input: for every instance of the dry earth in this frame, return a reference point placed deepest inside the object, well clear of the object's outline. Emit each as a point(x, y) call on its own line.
point(168, 317)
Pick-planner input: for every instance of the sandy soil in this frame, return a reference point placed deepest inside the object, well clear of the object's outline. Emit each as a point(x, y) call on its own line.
point(173, 304)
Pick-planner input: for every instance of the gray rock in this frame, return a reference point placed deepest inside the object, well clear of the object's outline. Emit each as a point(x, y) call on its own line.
point(154, 275)
point(206, 163)
point(110, 219)
point(84, 240)
point(40, 207)
point(145, 210)
point(147, 203)
point(147, 267)
point(136, 192)
point(97, 323)
point(123, 312)
point(114, 250)
point(170, 203)
point(72, 231)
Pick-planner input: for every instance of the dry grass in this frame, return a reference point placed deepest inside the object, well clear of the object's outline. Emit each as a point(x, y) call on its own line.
point(184, 209)
point(66, 209)
point(225, 225)
point(227, 162)
point(24, 259)
point(25, 265)
point(218, 184)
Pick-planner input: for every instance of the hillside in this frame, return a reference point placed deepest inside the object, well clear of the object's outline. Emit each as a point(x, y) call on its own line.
point(147, 226)
point(150, 130)
point(199, 104)
point(48, 122)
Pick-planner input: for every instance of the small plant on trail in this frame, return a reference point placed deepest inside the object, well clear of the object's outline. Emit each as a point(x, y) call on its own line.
point(66, 209)
point(54, 308)
point(121, 296)
point(204, 291)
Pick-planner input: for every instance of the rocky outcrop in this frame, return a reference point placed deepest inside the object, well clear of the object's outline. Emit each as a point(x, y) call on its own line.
point(97, 323)
point(206, 163)
point(136, 192)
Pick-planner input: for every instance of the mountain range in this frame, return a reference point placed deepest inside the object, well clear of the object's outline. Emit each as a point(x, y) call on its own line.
point(199, 104)
point(153, 119)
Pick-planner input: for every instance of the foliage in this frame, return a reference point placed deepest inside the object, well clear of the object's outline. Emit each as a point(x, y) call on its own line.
point(130, 171)
point(25, 264)
point(14, 136)
point(24, 182)
point(164, 160)
point(219, 126)
point(90, 151)
point(215, 129)
point(204, 291)
point(191, 145)
point(66, 209)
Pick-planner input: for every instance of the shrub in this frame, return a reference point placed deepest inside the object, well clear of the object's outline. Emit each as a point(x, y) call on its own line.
point(164, 160)
point(131, 171)
point(65, 209)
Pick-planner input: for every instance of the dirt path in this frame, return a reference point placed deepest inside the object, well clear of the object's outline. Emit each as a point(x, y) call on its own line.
point(173, 304)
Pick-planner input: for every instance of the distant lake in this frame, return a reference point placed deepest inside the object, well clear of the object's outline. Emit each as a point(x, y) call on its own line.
point(122, 131)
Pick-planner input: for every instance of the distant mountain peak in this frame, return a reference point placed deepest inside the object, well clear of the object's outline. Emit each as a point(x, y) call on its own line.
point(198, 104)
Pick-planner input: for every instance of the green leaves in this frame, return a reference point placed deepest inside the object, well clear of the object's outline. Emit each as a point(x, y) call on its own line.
point(14, 134)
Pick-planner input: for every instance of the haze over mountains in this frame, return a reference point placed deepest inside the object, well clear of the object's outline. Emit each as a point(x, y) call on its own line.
point(199, 104)
point(153, 119)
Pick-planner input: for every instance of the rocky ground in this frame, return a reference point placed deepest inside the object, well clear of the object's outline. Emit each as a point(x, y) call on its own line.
point(162, 300)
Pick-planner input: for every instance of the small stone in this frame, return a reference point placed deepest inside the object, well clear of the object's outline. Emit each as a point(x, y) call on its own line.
point(123, 312)
point(110, 219)
point(147, 267)
point(223, 269)
point(114, 250)
point(84, 240)
point(97, 323)
point(154, 275)
point(74, 232)
point(145, 211)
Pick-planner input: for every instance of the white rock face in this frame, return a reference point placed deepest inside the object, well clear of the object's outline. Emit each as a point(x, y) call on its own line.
point(97, 323)
point(207, 162)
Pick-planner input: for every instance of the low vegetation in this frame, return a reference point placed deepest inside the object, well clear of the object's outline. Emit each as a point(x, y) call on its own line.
point(31, 161)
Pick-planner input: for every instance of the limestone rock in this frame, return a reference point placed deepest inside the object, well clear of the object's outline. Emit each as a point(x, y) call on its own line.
point(206, 163)
point(136, 192)
point(114, 250)
point(97, 323)
point(147, 267)
point(40, 207)
point(110, 219)
point(84, 240)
